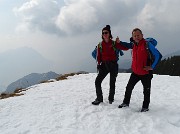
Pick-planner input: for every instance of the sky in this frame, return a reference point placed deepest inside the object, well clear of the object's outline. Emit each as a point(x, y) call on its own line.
point(66, 31)
point(64, 107)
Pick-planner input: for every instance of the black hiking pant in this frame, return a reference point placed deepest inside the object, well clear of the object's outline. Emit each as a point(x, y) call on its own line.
point(146, 82)
point(105, 68)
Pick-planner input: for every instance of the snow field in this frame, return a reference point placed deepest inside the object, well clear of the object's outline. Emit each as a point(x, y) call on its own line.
point(64, 107)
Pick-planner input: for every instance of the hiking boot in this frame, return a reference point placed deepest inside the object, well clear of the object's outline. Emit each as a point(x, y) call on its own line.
point(110, 102)
point(96, 102)
point(123, 105)
point(144, 109)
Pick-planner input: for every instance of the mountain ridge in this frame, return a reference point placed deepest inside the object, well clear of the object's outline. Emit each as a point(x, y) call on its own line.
point(16, 63)
point(30, 80)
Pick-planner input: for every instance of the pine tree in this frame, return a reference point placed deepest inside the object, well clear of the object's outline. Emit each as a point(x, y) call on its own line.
point(170, 66)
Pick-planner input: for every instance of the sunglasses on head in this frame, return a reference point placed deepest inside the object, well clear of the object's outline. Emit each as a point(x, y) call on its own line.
point(105, 32)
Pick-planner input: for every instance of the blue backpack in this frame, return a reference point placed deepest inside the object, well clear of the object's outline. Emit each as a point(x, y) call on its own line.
point(117, 51)
point(152, 41)
point(150, 55)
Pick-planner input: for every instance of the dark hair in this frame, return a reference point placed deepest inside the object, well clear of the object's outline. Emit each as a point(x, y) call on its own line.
point(136, 29)
point(108, 28)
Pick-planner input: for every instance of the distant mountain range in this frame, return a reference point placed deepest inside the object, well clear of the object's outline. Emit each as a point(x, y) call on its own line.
point(29, 80)
point(16, 63)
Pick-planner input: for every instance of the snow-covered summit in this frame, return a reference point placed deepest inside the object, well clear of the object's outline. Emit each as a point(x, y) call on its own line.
point(64, 107)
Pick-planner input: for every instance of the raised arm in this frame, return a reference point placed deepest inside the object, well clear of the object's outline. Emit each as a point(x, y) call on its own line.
point(127, 45)
point(120, 47)
point(123, 45)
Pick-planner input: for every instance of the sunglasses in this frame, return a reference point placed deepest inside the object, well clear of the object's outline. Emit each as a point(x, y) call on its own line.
point(105, 32)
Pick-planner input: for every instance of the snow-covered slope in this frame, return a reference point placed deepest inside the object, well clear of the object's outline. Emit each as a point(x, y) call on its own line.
point(64, 107)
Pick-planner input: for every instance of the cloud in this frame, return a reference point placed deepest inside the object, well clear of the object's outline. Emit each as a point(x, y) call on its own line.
point(77, 16)
point(38, 15)
point(74, 16)
point(156, 14)
point(82, 16)
point(87, 15)
point(84, 19)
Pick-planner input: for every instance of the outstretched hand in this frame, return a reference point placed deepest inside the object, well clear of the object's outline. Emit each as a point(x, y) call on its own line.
point(117, 40)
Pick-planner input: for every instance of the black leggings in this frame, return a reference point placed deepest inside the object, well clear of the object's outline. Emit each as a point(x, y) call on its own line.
point(146, 82)
point(105, 68)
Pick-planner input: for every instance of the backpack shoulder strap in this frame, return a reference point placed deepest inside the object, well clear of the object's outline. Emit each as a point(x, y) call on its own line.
point(100, 46)
point(114, 45)
point(148, 51)
point(147, 46)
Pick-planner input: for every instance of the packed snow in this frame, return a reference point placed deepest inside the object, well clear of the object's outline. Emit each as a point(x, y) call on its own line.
point(64, 107)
